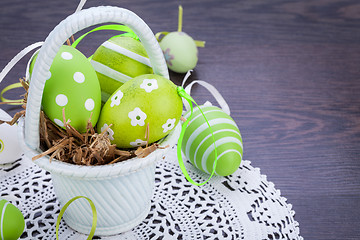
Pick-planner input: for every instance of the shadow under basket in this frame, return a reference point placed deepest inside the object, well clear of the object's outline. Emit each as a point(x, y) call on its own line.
point(121, 192)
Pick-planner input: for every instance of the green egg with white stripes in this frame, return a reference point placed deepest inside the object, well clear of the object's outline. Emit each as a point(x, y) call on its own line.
point(198, 143)
point(118, 60)
point(12, 221)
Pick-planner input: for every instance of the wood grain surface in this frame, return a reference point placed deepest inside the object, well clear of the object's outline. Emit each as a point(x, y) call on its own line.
point(289, 71)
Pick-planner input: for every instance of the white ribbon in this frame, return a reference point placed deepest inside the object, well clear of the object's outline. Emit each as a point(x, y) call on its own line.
point(80, 6)
point(216, 94)
point(26, 50)
point(17, 58)
point(27, 73)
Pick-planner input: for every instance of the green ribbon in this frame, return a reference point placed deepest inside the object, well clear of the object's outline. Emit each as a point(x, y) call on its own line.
point(159, 38)
point(62, 211)
point(116, 27)
point(180, 18)
point(190, 100)
point(9, 101)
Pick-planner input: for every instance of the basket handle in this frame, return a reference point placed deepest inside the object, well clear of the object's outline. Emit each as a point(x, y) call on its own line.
point(64, 30)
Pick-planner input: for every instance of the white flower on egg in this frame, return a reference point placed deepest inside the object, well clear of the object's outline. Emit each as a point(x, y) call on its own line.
point(115, 99)
point(149, 84)
point(109, 131)
point(137, 117)
point(138, 142)
point(170, 124)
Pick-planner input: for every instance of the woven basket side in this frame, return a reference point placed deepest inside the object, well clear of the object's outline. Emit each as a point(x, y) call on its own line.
point(121, 202)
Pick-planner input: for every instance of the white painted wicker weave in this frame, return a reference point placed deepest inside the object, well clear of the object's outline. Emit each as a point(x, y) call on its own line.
point(121, 192)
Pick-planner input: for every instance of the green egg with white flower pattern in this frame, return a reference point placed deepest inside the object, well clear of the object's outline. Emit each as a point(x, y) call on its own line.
point(147, 100)
point(72, 85)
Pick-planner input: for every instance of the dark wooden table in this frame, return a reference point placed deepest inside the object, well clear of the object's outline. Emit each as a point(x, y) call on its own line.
point(289, 71)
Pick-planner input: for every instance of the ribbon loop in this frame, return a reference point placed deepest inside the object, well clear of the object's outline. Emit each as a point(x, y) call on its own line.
point(17, 58)
point(182, 93)
point(9, 101)
point(159, 35)
point(190, 100)
point(62, 211)
point(116, 27)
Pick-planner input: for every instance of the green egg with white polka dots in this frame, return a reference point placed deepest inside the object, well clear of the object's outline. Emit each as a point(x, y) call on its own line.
point(145, 102)
point(72, 85)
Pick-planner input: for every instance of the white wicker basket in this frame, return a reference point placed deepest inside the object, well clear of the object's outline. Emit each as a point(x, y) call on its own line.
point(121, 192)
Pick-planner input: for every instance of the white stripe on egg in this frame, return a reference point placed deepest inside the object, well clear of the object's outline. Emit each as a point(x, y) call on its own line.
point(2, 220)
point(204, 127)
point(227, 151)
point(109, 72)
point(126, 52)
point(211, 148)
point(207, 137)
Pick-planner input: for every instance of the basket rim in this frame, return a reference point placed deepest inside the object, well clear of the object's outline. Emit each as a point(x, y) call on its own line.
point(97, 172)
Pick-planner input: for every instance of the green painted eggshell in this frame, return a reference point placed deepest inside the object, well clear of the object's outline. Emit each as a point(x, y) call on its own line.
point(118, 60)
point(12, 222)
point(146, 99)
point(180, 51)
point(198, 144)
point(73, 85)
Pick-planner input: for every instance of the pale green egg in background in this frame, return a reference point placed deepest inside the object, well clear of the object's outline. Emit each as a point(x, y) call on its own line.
point(118, 60)
point(72, 84)
point(180, 51)
point(146, 99)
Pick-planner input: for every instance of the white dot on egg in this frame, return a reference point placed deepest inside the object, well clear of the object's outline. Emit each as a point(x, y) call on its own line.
point(66, 55)
point(89, 104)
point(59, 122)
point(61, 100)
point(79, 77)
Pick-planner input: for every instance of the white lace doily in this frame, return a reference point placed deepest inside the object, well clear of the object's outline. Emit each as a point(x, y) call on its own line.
point(241, 206)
